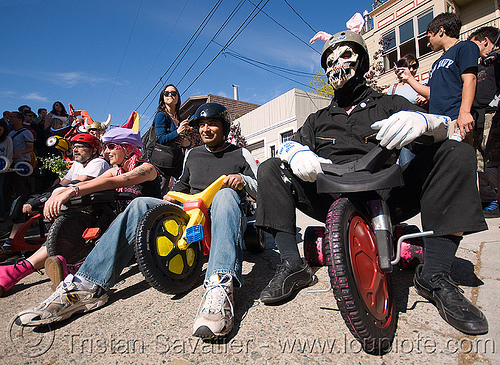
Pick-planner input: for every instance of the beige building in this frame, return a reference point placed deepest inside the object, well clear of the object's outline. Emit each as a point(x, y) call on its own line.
point(273, 123)
point(400, 27)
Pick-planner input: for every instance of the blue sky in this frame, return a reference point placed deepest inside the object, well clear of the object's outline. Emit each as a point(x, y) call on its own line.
point(106, 56)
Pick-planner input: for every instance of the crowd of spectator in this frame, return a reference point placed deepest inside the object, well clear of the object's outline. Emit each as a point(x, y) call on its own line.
point(23, 135)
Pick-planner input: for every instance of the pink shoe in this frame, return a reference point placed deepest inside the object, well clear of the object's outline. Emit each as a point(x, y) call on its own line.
point(56, 269)
point(11, 274)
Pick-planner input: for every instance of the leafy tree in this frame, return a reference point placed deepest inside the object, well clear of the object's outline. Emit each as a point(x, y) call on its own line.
point(235, 136)
point(319, 85)
point(195, 138)
point(376, 69)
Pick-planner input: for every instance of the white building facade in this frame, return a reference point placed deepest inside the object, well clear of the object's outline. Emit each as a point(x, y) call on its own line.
point(273, 123)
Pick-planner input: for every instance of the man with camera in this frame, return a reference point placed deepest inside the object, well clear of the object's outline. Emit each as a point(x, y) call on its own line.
point(487, 133)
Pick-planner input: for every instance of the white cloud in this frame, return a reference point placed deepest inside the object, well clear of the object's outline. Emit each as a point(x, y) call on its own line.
point(223, 94)
point(74, 78)
point(35, 97)
point(7, 93)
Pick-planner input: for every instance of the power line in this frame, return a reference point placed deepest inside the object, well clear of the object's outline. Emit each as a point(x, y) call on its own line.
point(162, 48)
point(210, 13)
point(221, 28)
point(124, 53)
point(273, 72)
point(239, 56)
point(235, 35)
point(291, 7)
point(289, 31)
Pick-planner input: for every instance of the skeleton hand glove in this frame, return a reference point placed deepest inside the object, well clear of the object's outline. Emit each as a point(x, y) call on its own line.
point(304, 163)
point(404, 127)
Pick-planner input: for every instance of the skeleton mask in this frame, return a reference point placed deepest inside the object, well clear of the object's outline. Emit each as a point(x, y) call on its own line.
point(341, 65)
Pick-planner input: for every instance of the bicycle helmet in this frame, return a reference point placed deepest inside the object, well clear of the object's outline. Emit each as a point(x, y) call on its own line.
point(87, 139)
point(343, 37)
point(122, 136)
point(212, 111)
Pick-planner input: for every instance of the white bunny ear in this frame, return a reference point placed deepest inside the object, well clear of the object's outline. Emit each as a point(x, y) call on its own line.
point(356, 23)
point(324, 36)
point(106, 123)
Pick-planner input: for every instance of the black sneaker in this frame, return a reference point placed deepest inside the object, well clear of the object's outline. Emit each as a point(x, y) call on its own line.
point(453, 306)
point(286, 280)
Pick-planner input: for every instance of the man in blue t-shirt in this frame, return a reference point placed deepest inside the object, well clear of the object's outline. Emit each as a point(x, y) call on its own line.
point(452, 83)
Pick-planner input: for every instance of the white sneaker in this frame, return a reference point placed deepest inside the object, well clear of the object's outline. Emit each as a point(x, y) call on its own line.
point(69, 298)
point(215, 316)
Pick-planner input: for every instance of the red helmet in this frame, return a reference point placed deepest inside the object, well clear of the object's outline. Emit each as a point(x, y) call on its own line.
point(87, 138)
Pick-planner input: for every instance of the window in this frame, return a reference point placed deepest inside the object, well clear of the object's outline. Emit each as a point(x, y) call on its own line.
point(255, 146)
point(286, 136)
point(272, 151)
point(408, 37)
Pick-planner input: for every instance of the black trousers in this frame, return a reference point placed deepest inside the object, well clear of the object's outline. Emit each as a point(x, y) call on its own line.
point(440, 183)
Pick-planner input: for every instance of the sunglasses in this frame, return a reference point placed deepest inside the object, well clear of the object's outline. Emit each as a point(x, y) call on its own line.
point(413, 67)
point(170, 93)
point(113, 146)
point(79, 146)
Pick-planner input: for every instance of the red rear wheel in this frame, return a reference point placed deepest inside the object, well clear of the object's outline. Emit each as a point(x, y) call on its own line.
point(363, 291)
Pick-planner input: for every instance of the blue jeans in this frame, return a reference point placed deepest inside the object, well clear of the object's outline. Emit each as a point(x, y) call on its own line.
point(112, 254)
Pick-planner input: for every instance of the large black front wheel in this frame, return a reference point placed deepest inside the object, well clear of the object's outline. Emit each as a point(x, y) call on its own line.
point(362, 290)
point(165, 266)
point(65, 236)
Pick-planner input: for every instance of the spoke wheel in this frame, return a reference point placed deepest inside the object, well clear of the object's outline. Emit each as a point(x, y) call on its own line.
point(164, 266)
point(362, 290)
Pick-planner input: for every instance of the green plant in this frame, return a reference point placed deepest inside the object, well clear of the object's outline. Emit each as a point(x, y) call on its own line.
point(56, 164)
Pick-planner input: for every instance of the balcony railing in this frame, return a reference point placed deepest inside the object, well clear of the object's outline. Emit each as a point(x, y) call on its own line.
point(491, 23)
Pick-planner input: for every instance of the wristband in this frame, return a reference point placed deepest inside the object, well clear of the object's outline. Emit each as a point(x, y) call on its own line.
point(76, 189)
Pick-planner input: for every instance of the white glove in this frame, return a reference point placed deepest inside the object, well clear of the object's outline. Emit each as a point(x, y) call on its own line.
point(404, 127)
point(304, 163)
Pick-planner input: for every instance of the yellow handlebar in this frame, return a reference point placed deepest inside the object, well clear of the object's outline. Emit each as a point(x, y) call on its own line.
point(197, 216)
point(206, 195)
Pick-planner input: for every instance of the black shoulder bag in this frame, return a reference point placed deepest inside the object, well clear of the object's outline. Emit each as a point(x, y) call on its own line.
point(167, 157)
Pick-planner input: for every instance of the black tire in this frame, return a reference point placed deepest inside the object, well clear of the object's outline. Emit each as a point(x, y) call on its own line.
point(255, 239)
point(314, 251)
point(158, 269)
point(65, 236)
point(350, 246)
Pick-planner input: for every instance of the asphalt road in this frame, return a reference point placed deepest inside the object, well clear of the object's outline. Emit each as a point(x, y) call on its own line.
point(140, 325)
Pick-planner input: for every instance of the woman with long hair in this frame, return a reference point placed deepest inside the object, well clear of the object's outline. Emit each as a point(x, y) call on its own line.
point(169, 128)
point(58, 119)
point(402, 88)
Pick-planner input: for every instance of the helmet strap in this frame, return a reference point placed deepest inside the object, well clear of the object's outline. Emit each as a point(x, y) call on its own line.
point(92, 156)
